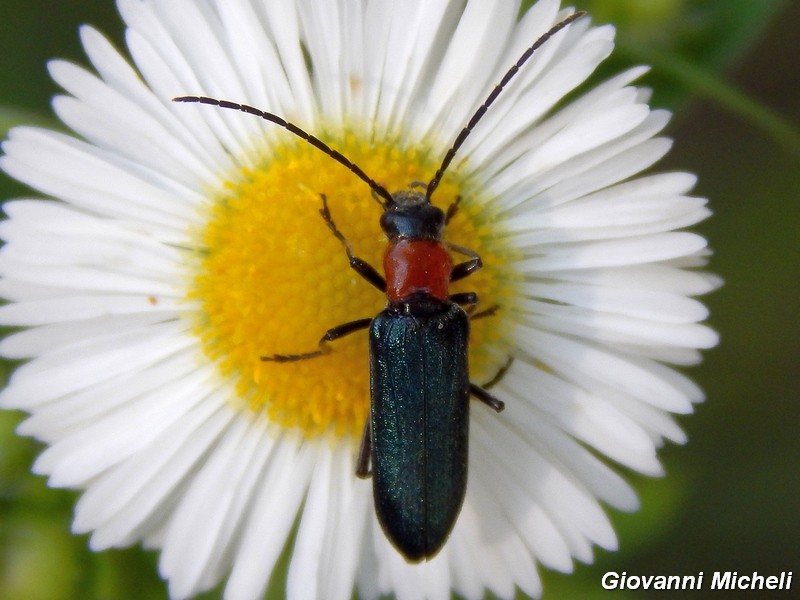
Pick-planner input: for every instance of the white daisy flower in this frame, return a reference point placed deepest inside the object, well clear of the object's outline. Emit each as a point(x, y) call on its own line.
point(185, 243)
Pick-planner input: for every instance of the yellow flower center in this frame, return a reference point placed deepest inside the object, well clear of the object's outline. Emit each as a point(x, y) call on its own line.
point(272, 279)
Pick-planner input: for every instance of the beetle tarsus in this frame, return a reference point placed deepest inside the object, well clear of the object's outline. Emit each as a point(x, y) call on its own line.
point(451, 210)
point(363, 463)
point(488, 399)
point(501, 372)
point(468, 299)
point(284, 358)
point(481, 391)
point(466, 268)
point(333, 334)
point(359, 265)
point(487, 312)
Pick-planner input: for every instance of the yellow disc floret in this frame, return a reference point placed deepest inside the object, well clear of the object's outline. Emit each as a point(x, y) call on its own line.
point(271, 278)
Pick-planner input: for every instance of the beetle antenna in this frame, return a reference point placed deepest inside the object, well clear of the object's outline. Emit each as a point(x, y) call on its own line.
point(448, 158)
point(377, 188)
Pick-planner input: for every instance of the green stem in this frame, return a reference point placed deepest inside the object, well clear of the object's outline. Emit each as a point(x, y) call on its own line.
point(708, 85)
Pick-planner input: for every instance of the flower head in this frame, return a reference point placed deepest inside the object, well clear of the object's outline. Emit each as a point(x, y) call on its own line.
point(186, 244)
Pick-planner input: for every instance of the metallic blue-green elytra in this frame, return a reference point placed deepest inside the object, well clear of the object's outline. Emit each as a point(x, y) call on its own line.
point(420, 422)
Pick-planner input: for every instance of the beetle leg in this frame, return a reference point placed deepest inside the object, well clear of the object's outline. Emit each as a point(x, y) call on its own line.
point(488, 312)
point(334, 333)
point(481, 393)
point(468, 299)
point(466, 268)
point(363, 466)
point(452, 209)
point(499, 375)
point(360, 266)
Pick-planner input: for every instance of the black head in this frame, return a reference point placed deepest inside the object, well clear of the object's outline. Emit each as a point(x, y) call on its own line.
point(412, 216)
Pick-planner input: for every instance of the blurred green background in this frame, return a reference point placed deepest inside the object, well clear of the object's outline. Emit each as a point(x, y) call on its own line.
point(729, 70)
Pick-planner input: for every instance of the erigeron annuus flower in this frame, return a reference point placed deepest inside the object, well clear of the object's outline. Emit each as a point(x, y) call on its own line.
point(187, 243)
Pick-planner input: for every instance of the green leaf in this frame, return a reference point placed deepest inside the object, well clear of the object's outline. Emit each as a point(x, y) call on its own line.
point(708, 32)
point(690, 44)
point(704, 83)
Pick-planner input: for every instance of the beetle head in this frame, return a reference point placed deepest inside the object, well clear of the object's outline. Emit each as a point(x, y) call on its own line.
point(412, 216)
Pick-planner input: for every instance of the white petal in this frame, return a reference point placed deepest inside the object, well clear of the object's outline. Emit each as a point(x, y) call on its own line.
point(352, 505)
point(117, 314)
point(470, 535)
point(648, 277)
point(640, 379)
point(62, 372)
point(645, 205)
point(90, 179)
point(398, 67)
point(585, 416)
point(654, 248)
point(247, 36)
point(111, 120)
point(521, 514)
point(643, 304)
point(618, 329)
point(472, 50)
point(303, 580)
point(119, 75)
point(322, 25)
point(163, 43)
point(119, 255)
point(271, 517)
point(138, 496)
point(283, 23)
point(218, 497)
point(575, 512)
point(553, 70)
point(598, 168)
point(76, 459)
point(75, 411)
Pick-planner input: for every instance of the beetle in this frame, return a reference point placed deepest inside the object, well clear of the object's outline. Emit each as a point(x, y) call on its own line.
point(415, 441)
